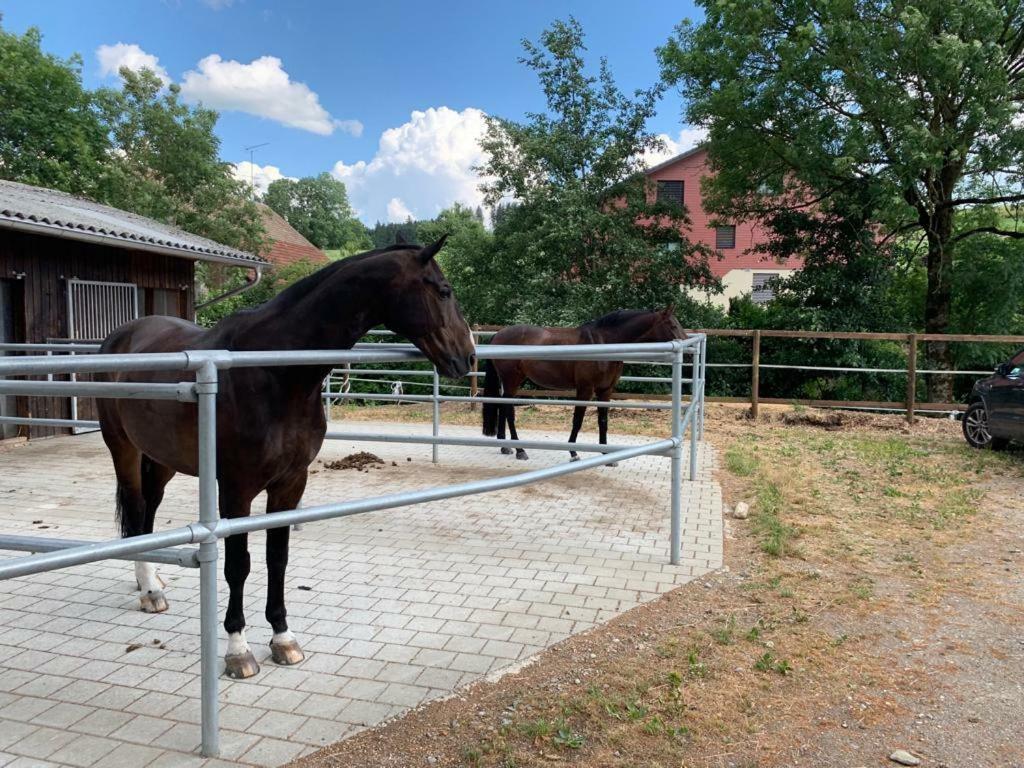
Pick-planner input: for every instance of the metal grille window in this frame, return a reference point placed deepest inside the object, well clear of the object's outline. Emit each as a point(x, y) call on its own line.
point(95, 308)
point(670, 192)
point(763, 290)
point(725, 237)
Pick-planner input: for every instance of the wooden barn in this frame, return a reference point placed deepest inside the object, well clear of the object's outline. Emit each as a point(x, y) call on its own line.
point(73, 270)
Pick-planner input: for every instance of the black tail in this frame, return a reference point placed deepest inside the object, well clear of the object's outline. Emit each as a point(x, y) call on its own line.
point(130, 509)
point(492, 388)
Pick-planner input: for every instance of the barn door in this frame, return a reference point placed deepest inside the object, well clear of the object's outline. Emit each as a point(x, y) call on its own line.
point(95, 308)
point(7, 404)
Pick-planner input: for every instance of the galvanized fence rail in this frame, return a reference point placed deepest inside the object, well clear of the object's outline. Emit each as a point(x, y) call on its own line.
point(167, 546)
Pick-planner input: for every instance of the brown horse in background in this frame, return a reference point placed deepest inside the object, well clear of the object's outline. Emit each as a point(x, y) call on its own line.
point(505, 377)
point(270, 421)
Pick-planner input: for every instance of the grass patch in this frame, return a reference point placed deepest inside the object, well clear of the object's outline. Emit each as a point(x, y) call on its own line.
point(775, 536)
point(740, 460)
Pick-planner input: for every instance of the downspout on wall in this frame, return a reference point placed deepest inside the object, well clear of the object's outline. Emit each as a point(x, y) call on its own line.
point(257, 276)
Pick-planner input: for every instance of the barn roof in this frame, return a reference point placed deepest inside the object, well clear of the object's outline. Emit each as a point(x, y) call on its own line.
point(58, 214)
point(287, 245)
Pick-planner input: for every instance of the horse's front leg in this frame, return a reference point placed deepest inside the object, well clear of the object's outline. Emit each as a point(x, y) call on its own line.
point(239, 662)
point(284, 648)
point(520, 453)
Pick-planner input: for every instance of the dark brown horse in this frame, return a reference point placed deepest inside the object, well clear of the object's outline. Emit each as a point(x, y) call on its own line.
point(270, 421)
point(505, 377)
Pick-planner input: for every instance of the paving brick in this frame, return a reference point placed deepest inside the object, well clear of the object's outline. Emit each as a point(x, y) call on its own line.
point(402, 607)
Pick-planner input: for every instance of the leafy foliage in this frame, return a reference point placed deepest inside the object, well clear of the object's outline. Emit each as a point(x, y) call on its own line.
point(163, 163)
point(318, 207)
point(587, 234)
point(467, 261)
point(50, 131)
point(908, 107)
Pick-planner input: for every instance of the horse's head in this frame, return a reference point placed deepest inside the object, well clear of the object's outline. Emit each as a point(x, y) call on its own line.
point(664, 327)
point(423, 308)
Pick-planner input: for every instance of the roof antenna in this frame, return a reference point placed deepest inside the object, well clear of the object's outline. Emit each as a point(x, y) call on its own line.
point(252, 167)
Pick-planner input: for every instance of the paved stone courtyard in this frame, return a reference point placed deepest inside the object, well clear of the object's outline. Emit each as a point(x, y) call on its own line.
point(393, 608)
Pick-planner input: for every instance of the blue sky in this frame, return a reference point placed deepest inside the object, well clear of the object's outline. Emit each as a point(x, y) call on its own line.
point(387, 95)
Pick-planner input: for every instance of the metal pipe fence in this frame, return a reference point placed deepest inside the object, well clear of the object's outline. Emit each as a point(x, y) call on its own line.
point(167, 546)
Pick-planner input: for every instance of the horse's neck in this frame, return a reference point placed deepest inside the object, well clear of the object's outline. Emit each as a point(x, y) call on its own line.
point(633, 331)
point(328, 317)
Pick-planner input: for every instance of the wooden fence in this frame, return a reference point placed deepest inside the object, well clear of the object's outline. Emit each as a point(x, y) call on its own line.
point(910, 404)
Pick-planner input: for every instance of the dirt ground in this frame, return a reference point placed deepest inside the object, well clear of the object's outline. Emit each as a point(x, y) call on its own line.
point(872, 601)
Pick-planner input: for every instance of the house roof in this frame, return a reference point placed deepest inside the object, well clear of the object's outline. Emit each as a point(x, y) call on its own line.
point(287, 244)
point(676, 159)
point(58, 214)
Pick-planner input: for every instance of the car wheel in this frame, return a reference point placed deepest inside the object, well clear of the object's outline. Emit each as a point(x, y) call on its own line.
point(975, 426)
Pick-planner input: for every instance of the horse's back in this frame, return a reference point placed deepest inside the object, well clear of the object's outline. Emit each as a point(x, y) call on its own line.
point(536, 335)
point(154, 333)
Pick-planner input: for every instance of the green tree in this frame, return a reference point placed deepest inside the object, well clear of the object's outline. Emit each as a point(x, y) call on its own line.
point(50, 133)
point(384, 234)
point(467, 260)
point(165, 163)
point(588, 234)
point(318, 207)
point(910, 107)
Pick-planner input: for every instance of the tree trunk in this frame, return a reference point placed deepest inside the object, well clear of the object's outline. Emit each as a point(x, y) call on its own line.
point(938, 302)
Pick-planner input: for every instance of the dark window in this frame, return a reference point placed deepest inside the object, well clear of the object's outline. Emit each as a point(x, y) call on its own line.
point(670, 192)
point(763, 289)
point(725, 237)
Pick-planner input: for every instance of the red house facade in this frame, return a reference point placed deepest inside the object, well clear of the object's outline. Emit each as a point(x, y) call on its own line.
point(740, 270)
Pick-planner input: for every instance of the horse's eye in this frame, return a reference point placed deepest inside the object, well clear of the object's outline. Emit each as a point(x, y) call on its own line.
point(446, 291)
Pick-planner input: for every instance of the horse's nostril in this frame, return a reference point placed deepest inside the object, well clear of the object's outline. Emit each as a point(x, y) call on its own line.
point(472, 360)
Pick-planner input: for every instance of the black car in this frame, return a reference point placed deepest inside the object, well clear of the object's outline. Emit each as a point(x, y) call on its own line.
point(995, 414)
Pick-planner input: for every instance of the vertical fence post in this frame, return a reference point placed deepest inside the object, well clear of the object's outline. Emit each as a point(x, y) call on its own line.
point(206, 390)
point(437, 413)
point(677, 451)
point(474, 389)
point(911, 376)
point(755, 376)
point(695, 407)
point(703, 382)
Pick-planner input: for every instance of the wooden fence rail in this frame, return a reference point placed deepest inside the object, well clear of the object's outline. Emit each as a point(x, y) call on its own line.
point(909, 405)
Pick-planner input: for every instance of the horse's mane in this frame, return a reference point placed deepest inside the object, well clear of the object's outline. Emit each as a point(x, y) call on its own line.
point(617, 318)
point(301, 288)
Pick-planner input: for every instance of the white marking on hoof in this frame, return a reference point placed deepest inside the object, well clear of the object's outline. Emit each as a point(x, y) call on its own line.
point(285, 650)
point(239, 663)
point(151, 599)
point(574, 458)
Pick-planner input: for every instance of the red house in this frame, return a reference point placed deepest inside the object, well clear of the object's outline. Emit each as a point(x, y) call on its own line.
point(287, 246)
point(741, 271)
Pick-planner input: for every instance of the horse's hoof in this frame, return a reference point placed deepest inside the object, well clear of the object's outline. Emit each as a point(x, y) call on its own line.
point(506, 450)
point(612, 464)
point(239, 666)
point(153, 602)
point(574, 457)
point(521, 455)
point(286, 654)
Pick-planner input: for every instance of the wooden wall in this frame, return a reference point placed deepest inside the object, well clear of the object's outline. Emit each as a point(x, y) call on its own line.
point(47, 263)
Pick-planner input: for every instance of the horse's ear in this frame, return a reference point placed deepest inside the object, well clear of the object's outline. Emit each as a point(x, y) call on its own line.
point(400, 238)
point(430, 251)
point(670, 310)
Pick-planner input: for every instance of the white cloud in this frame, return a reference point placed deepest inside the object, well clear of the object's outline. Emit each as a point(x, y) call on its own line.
point(261, 88)
point(398, 211)
point(258, 176)
point(687, 139)
point(113, 57)
point(420, 168)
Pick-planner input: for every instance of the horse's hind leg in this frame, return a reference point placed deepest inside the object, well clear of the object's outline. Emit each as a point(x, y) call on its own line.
point(238, 661)
point(131, 502)
point(602, 420)
point(154, 478)
point(284, 648)
point(520, 453)
point(577, 419)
